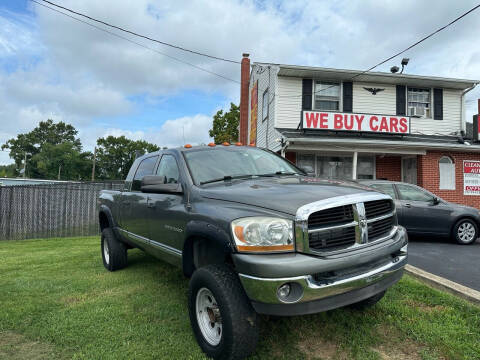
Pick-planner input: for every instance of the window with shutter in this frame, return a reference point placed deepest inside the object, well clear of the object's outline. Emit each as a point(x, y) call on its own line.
point(401, 100)
point(438, 104)
point(447, 173)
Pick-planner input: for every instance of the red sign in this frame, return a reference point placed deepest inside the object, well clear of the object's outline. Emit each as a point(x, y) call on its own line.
point(323, 120)
point(471, 177)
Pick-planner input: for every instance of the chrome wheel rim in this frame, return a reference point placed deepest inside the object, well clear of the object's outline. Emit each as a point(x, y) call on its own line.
point(208, 316)
point(466, 232)
point(106, 252)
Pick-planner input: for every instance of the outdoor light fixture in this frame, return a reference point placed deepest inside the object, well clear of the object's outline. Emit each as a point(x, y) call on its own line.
point(404, 63)
point(394, 69)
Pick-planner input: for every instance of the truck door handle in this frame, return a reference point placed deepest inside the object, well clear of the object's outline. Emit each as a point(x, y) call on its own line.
point(150, 204)
point(408, 205)
point(126, 203)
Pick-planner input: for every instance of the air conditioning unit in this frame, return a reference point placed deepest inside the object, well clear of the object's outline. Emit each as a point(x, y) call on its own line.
point(417, 111)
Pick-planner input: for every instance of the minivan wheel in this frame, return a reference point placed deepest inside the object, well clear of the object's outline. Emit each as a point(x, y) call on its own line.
point(465, 232)
point(114, 252)
point(222, 318)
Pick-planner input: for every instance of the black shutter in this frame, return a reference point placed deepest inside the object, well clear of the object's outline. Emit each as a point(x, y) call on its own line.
point(347, 97)
point(401, 101)
point(307, 91)
point(438, 104)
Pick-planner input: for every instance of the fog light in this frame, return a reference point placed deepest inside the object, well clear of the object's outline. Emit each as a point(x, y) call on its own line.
point(283, 291)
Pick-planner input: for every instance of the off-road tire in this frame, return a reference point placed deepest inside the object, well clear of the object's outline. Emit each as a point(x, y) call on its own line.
point(369, 302)
point(117, 251)
point(456, 236)
point(239, 320)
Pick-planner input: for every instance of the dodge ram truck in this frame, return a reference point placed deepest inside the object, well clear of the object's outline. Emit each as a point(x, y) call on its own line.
point(255, 235)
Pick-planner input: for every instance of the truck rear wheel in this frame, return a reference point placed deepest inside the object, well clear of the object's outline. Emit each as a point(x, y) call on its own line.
point(369, 302)
point(114, 252)
point(222, 318)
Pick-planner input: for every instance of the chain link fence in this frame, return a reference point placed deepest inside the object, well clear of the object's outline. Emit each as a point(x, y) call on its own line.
point(51, 210)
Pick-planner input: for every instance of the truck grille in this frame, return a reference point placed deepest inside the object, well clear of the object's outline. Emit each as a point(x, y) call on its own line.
point(377, 208)
point(342, 226)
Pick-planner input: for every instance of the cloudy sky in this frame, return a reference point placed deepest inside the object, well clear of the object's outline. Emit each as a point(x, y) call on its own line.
point(54, 67)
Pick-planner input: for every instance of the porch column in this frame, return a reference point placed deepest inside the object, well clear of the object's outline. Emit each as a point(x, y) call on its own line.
point(354, 166)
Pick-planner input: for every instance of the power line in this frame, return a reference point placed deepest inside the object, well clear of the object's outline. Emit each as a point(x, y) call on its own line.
point(137, 43)
point(401, 52)
point(140, 35)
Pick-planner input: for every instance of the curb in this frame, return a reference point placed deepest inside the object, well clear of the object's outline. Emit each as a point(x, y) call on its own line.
point(444, 284)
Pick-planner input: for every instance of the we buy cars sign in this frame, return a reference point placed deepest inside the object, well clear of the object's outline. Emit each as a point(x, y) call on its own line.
point(471, 177)
point(324, 120)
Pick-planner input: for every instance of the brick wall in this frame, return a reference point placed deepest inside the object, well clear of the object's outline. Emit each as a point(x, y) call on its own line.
point(428, 176)
point(389, 167)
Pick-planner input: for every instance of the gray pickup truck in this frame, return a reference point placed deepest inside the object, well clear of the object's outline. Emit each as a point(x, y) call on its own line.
point(255, 235)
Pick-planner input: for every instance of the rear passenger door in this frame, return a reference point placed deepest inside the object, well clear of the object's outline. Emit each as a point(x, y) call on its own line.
point(135, 204)
point(167, 213)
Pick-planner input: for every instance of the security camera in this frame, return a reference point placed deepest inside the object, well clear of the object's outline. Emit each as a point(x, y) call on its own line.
point(394, 69)
point(405, 61)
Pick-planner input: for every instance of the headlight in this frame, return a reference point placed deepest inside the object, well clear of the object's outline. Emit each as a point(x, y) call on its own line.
point(262, 233)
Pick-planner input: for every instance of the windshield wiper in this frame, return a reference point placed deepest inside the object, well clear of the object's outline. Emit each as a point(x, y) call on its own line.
point(226, 178)
point(280, 173)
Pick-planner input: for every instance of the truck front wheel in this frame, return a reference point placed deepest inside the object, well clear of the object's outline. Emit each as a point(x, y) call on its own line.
point(114, 252)
point(222, 318)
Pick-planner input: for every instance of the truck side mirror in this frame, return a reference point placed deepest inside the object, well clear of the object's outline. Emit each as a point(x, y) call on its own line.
point(158, 184)
point(435, 200)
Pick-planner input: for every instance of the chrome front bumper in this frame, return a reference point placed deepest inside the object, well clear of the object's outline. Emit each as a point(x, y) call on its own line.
point(307, 289)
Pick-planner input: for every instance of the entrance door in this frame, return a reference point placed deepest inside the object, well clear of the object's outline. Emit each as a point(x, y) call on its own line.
point(334, 167)
point(409, 170)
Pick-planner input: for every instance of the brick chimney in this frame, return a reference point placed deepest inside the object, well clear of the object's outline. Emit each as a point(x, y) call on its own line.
point(244, 85)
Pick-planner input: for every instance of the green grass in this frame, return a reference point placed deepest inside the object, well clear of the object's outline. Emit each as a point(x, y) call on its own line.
point(58, 302)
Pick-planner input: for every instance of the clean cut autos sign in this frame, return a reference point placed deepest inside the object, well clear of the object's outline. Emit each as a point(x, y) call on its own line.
point(471, 177)
point(335, 121)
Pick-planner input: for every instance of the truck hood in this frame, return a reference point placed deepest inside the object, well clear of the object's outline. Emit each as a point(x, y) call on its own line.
point(284, 194)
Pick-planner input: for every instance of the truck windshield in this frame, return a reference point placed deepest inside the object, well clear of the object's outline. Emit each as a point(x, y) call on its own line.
point(226, 163)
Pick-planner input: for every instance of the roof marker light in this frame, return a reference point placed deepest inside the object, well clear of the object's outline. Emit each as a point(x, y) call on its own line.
point(187, 146)
point(251, 144)
point(226, 144)
point(238, 144)
point(211, 144)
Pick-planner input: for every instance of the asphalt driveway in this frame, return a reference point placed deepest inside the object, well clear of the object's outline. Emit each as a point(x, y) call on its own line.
point(458, 263)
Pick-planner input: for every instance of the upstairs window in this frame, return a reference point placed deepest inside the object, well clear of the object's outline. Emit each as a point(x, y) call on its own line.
point(419, 102)
point(447, 173)
point(327, 96)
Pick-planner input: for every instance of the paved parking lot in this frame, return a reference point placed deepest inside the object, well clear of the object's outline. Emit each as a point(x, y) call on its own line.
point(459, 263)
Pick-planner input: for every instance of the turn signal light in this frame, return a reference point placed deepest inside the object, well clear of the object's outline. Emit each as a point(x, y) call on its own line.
point(187, 146)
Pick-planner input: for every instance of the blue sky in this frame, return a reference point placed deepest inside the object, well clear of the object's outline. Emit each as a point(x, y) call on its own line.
point(54, 67)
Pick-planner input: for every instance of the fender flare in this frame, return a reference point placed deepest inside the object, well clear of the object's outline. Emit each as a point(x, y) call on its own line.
point(106, 210)
point(203, 230)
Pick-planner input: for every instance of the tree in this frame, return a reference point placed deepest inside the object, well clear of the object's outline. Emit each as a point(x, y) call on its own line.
point(225, 125)
point(8, 171)
point(63, 162)
point(115, 156)
point(47, 132)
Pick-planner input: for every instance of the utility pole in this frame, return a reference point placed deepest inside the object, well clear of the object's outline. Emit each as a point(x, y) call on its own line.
point(25, 166)
point(94, 160)
point(59, 170)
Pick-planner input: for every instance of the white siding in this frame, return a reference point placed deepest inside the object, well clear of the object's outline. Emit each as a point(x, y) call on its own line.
point(288, 105)
point(267, 78)
point(289, 102)
point(451, 117)
point(384, 102)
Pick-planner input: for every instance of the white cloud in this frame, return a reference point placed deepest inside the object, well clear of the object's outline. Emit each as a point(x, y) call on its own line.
point(71, 72)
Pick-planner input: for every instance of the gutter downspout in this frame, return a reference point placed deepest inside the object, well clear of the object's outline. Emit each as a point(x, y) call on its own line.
point(284, 148)
point(462, 108)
